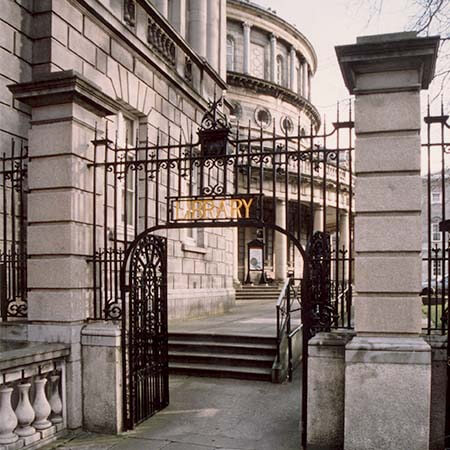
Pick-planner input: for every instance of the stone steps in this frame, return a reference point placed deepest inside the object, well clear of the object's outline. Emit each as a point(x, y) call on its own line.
point(258, 293)
point(222, 356)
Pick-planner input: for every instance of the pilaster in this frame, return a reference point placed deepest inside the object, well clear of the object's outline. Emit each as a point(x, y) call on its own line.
point(292, 71)
point(273, 58)
point(213, 33)
point(66, 109)
point(247, 30)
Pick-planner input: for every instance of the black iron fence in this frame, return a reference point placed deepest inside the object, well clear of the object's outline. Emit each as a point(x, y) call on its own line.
point(435, 235)
point(13, 224)
point(210, 179)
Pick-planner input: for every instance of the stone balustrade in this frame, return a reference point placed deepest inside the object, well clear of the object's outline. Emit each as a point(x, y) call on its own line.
point(161, 42)
point(32, 397)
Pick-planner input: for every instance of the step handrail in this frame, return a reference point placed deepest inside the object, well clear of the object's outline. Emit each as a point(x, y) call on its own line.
point(284, 310)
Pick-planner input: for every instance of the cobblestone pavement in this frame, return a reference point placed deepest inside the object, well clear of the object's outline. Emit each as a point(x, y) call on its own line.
point(207, 414)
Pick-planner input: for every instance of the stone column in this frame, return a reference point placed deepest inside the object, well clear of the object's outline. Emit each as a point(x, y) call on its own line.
point(292, 71)
point(163, 7)
point(179, 16)
point(223, 39)
point(213, 32)
point(343, 230)
point(197, 26)
point(247, 29)
point(280, 242)
point(304, 69)
point(235, 255)
point(309, 83)
point(388, 364)
point(65, 110)
point(318, 218)
point(273, 58)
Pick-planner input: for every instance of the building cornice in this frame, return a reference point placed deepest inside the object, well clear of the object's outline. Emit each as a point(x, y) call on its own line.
point(274, 90)
point(67, 86)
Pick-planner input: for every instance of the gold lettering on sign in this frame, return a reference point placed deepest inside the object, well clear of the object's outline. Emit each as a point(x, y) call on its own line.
point(200, 209)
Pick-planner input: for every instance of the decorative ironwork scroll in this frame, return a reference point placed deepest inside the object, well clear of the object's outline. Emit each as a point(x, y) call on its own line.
point(320, 313)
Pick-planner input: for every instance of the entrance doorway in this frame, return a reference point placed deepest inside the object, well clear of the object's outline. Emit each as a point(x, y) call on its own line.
point(288, 186)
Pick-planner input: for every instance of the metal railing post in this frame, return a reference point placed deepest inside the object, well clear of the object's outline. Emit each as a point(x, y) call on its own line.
point(288, 327)
point(3, 293)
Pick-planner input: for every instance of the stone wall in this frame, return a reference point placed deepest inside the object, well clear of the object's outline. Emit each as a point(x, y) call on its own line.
point(16, 34)
point(92, 38)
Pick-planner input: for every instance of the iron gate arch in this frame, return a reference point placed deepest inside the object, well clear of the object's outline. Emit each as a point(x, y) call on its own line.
point(175, 184)
point(144, 329)
point(145, 353)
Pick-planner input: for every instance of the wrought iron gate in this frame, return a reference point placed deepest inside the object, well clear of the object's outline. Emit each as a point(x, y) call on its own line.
point(144, 329)
point(228, 177)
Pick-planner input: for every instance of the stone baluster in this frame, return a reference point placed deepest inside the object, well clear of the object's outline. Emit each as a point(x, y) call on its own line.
point(55, 399)
point(8, 419)
point(41, 405)
point(24, 411)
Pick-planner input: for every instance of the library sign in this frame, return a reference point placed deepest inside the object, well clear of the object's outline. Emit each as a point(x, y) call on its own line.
point(217, 209)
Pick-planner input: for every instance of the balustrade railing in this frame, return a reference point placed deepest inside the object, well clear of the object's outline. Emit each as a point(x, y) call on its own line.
point(32, 403)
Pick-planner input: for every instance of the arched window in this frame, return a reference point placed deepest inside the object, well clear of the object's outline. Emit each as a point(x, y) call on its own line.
point(230, 53)
point(280, 70)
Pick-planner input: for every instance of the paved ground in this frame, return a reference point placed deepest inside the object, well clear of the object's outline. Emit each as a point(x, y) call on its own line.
point(257, 318)
point(207, 414)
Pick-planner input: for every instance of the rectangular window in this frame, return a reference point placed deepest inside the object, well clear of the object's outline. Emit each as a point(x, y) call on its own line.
point(435, 197)
point(230, 54)
point(128, 197)
point(126, 135)
point(437, 268)
point(435, 233)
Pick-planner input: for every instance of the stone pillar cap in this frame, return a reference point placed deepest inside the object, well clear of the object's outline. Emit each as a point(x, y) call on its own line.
point(389, 52)
point(65, 86)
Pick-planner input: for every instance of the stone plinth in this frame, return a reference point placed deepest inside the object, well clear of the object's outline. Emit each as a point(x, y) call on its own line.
point(388, 384)
point(102, 378)
point(326, 382)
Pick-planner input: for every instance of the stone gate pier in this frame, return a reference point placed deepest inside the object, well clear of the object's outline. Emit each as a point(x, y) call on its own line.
point(383, 373)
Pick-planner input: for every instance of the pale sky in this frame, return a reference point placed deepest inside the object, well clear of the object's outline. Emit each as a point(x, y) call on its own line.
point(327, 23)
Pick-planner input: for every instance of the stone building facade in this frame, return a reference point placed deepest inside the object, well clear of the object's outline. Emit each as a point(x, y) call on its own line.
point(70, 70)
point(127, 71)
point(270, 70)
